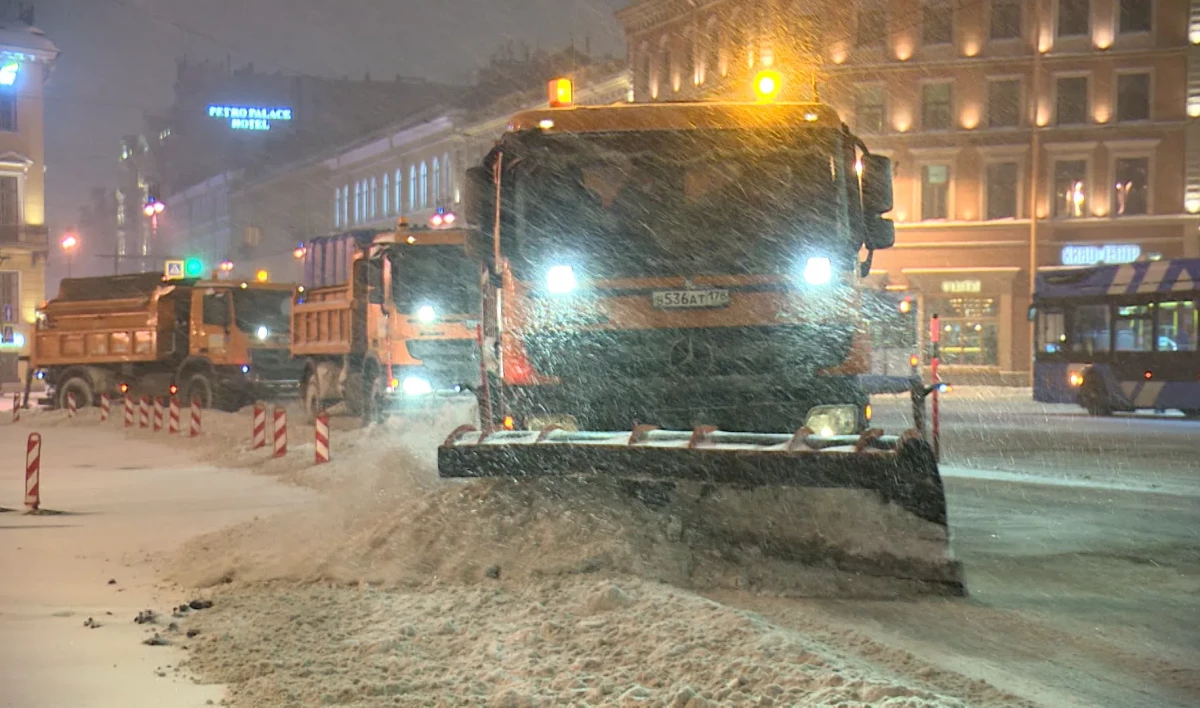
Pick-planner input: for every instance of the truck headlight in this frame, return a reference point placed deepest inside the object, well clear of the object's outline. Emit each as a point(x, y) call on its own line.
point(818, 271)
point(416, 386)
point(263, 333)
point(426, 313)
point(560, 279)
point(828, 421)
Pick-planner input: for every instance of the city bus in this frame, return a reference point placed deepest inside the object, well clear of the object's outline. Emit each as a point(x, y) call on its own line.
point(1119, 337)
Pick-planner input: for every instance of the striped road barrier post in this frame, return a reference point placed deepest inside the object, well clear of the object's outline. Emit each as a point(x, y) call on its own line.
point(33, 471)
point(280, 432)
point(258, 429)
point(322, 438)
point(173, 417)
point(194, 430)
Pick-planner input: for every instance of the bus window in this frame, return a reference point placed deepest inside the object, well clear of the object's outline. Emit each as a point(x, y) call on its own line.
point(1051, 330)
point(1133, 329)
point(1178, 326)
point(1089, 331)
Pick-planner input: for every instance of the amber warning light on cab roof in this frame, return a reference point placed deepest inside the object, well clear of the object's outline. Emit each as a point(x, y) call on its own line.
point(561, 93)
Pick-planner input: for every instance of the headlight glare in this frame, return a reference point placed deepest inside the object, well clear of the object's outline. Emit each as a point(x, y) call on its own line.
point(560, 279)
point(416, 386)
point(263, 333)
point(426, 313)
point(828, 421)
point(818, 271)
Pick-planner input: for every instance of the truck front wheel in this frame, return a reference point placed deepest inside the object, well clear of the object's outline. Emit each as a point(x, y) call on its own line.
point(77, 387)
point(312, 398)
point(199, 386)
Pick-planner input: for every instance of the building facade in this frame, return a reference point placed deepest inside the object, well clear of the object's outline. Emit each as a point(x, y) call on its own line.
point(1024, 134)
point(26, 58)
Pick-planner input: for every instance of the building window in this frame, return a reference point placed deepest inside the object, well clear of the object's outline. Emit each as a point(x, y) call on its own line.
point(1071, 100)
point(412, 188)
point(399, 189)
point(936, 106)
point(10, 295)
point(1134, 16)
point(385, 195)
point(1002, 190)
point(870, 111)
point(357, 202)
point(10, 208)
point(970, 326)
point(937, 23)
point(1005, 20)
point(935, 192)
point(345, 204)
point(663, 80)
point(337, 206)
point(424, 185)
point(437, 182)
point(1074, 17)
point(712, 51)
point(1004, 103)
point(872, 24)
point(1133, 97)
point(1131, 186)
point(1070, 188)
point(1178, 326)
point(8, 112)
point(374, 196)
point(1133, 329)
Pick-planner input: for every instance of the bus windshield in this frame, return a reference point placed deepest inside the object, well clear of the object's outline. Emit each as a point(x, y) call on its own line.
point(443, 277)
point(682, 202)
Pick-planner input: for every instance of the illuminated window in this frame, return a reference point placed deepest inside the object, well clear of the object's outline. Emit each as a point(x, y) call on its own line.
point(687, 59)
point(1074, 17)
point(663, 80)
point(397, 186)
point(424, 185)
point(644, 64)
point(870, 110)
point(1134, 16)
point(937, 22)
point(8, 112)
point(872, 24)
point(437, 182)
point(337, 206)
point(1002, 185)
point(1070, 188)
point(1004, 103)
point(1005, 20)
point(385, 194)
point(357, 202)
point(1133, 97)
point(1133, 329)
point(1090, 329)
point(345, 204)
point(1131, 186)
point(412, 188)
point(936, 106)
point(935, 192)
point(1178, 326)
point(1071, 100)
point(373, 204)
point(10, 207)
point(712, 51)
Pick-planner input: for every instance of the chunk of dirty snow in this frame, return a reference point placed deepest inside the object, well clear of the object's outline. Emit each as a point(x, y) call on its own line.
point(607, 597)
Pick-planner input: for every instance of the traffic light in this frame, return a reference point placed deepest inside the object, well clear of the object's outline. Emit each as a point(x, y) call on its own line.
point(193, 268)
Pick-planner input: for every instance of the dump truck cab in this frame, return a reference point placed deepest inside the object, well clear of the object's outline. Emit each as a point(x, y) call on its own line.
point(678, 263)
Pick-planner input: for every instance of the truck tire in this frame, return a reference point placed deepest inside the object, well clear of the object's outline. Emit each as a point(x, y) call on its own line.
point(374, 408)
point(1093, 396)
point(80, 387)
point(310, 398)
point(199, 386)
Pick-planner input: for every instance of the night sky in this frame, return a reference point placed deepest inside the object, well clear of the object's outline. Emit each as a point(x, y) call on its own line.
point(118, 58)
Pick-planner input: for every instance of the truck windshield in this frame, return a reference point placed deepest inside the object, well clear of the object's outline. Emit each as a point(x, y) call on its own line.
point(681, 202)
point(262, 308)
point(443, 277)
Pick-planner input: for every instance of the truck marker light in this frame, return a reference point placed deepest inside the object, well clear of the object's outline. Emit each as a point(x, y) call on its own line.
point(913, 360)
point(173, 389)
point(124, 388)
point(509, 423)
point(1149, 375)
point(1075, 379)
point(868, 411)
point(245, 369)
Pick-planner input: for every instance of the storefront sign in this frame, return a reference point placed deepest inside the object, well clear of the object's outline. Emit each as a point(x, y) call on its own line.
point(250, 117)
point(1109, 253)
point(961, 286)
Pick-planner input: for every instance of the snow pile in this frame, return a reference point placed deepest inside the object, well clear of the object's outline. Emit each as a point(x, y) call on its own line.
point(578, 642)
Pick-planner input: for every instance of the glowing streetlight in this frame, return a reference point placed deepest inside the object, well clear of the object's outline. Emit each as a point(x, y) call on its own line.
point(299, 251)
point(69, 243)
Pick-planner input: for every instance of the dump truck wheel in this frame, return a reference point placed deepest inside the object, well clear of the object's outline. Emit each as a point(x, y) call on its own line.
point(199, 386)
point(374, 410)
point(81, 389)
point(311, 398)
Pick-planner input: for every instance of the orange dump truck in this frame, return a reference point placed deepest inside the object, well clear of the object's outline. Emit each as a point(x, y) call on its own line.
point(386, 319)
point(223, 342)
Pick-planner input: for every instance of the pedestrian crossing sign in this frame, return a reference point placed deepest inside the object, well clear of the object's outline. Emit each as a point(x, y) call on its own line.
point(174, 270)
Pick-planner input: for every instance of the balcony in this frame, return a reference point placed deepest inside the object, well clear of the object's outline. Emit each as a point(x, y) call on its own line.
point(29, 236)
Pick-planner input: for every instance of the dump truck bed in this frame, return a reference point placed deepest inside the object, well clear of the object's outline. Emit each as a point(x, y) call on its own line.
point(324, 323)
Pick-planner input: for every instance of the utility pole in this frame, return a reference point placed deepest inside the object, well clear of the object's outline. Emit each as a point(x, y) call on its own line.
point(1035, 168)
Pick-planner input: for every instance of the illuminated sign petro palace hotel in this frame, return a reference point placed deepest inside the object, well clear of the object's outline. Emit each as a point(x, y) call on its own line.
point(250, 117)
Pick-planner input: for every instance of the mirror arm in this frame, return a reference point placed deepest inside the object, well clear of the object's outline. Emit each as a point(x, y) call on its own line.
point(864, 268)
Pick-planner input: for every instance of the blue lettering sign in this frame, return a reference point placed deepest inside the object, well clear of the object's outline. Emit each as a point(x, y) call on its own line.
point(249, 117)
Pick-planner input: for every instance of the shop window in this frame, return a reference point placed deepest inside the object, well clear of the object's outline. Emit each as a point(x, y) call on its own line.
point(1133, 97)
point(870, 112)
point(1006, 19)
point(935, 192)
point(1178, 326)
point(1134, 16)
point(1002, 190)
point(970, 330)
point(936, 106)
point(1090, 329)
point(1074, 17)
point(1070, 188)
point(937, 23)
point(1133, 329)
point(1004, 103)
point(1131, 186)
point(1051, 330)
point(872, 24)
point(1071, 100)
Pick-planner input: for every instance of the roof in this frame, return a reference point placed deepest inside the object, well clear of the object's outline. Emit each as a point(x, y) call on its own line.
point(1144, 277)
point(30, 41)
point(676, 116)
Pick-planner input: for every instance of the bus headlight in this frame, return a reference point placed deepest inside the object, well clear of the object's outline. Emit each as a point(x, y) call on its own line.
point(818, 271)
point(426, 313)
point(560, 279)
point(416, 386)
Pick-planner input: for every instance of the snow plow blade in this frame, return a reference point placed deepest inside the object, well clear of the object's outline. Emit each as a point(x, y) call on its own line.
point(869, 507)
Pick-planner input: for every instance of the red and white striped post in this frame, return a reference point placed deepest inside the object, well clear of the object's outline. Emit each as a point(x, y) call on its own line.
point(280, 432)
point(70, 405)
point(194, 431)
point(105, 406)
point(16, 407)
point(258, 428)
point(158, 413)
point(144, 412)
point(322, 438)
point(128, 411)
point(33, 471)
point(173, 417)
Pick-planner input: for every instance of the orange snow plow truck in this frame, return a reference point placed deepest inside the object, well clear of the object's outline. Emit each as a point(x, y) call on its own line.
point(673, 301)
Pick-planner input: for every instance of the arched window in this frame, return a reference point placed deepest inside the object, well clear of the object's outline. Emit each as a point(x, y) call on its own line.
point(710, 71)
point(399, 189)
point(357, 202)
point(424, 185)
point(385, 194)
point(662, 80)
point(345, 205)
point(374, 197)
point(437, 182)
point(337, 206)
point(643, 62)
point(687, 59)
point(448, 172)
point(412, 188)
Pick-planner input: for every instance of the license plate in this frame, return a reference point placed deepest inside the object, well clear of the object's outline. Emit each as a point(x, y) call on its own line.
point(681, 299)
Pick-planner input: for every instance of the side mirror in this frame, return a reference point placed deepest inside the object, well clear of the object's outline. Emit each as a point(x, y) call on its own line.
point(876, 184)
point(479, 209)
point(881, 233)
point(375, 281)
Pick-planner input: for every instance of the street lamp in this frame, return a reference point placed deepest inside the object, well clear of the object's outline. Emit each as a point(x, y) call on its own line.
point(69, 243)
